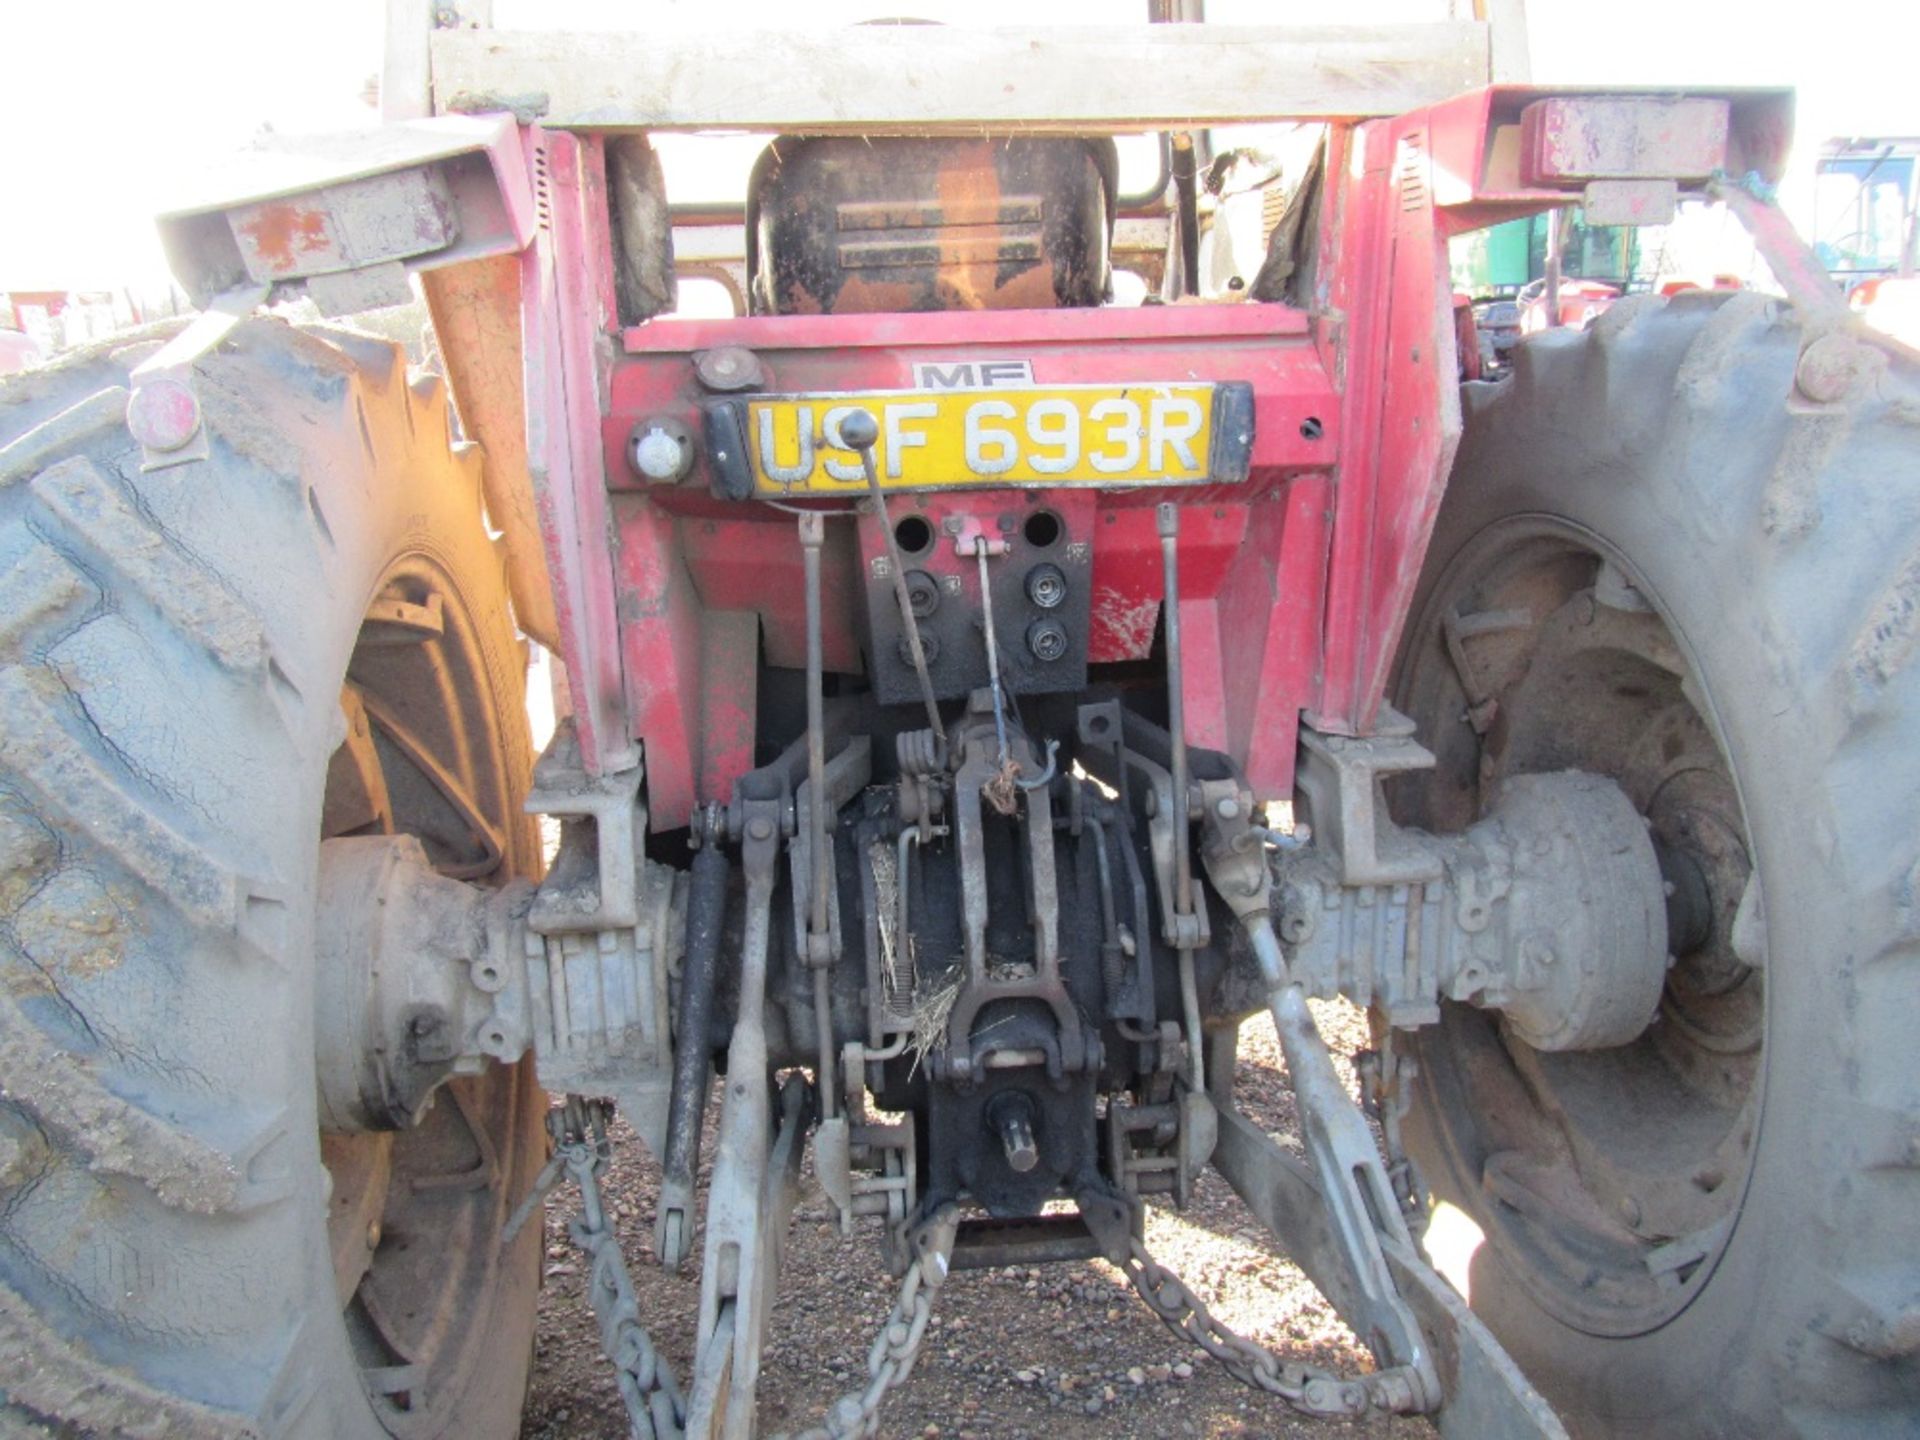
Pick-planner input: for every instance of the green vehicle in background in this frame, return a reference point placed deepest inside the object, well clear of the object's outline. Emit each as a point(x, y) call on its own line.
point(1502, 272)
point(1865, 220)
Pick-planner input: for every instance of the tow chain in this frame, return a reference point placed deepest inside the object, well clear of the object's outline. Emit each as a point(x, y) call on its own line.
point(656, 1410)
point(890, 1358)
point(1310, 1391)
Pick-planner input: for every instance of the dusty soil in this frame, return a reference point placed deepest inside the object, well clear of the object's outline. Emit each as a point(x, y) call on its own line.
point(1063, 1350)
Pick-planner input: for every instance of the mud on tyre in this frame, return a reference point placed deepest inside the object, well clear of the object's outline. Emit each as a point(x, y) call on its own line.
point(183, 652)
point(1656, 562)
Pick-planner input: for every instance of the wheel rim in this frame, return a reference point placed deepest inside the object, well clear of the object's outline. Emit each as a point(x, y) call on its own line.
point(414, 1215)
point(1607, 1181)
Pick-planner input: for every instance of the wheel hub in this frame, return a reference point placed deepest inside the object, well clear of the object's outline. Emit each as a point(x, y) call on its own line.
point(409, 965)
point(1551, 911)
point(1608, 1178)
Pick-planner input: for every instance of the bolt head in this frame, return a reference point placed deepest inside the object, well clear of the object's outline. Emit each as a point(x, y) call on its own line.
point(759, 828)
point(1228, 809)
point(163, 414)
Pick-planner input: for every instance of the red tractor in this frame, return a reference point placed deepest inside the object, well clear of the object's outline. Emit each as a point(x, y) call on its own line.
point(938, 637)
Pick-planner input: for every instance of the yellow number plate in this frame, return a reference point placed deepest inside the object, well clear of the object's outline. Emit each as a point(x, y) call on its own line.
point(1067, 435)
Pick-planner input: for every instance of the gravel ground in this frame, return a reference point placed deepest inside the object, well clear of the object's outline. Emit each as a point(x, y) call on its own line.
point(1063, 1350)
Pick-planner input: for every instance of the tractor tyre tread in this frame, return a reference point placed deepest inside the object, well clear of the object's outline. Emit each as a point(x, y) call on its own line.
point(171, 643)
point(1788, 541)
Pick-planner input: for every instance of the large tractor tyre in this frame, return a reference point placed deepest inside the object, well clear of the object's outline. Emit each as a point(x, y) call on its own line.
point(204, 670)
point(1659, 562)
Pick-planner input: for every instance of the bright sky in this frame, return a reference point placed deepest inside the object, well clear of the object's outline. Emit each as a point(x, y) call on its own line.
point(114, 101)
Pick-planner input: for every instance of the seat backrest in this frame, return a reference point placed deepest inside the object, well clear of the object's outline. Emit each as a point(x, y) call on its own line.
point(846, 225)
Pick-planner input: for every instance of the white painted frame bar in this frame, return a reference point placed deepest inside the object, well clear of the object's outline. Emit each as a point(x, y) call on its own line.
point(927, 79)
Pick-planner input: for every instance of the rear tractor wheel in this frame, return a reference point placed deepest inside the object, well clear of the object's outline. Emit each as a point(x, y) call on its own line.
point(212, 678)
point(1659, 564)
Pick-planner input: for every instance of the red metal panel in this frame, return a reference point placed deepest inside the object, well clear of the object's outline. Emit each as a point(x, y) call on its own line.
point(1251, 577)
point(1396, 190)
point(729, 698)
point(1205, 683)
point(1262, 344)
point(756, 567)
point(564, 290)
point(1270, 606)
point(1127, 570)
point(1392, 333)
point(744, 556)
point(475, 310)
point(660, 635)
point(1295, 582)
point(703, 586)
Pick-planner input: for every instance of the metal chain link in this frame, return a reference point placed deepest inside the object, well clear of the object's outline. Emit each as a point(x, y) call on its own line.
point(891, 1357)
point(656, 1409)
point(1386, 1093)
point(1308, 1390)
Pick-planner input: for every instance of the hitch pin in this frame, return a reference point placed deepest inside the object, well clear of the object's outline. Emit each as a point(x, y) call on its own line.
point(1045, 776)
